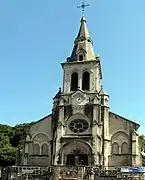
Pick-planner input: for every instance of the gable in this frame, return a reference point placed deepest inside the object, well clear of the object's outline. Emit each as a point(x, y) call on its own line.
point(43, 125)
point(118, 122)
point(42, 119)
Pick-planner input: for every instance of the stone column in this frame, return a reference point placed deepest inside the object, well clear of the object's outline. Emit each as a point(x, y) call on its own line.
point(106, 136)
point(76, 160)
point(62, 158)
point(80, 80)
point(94, 134)
point(136, 161)
point(105, 120)
point(59, 134)
point(66, 80)
point(56, 175)
point(26, 153)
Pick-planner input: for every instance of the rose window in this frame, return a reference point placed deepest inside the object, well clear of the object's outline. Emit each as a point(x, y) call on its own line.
point(78, 126)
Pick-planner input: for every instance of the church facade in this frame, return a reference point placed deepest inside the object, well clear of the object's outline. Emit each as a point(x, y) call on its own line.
point(81, 130)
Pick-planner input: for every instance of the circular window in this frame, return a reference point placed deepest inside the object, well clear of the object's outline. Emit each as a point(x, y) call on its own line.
point(78, 125)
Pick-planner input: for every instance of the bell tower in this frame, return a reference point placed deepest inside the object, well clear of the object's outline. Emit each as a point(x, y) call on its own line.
point(81, 109)
point(82, 69)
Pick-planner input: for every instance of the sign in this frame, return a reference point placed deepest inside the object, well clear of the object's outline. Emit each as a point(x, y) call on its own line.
point(133, 170)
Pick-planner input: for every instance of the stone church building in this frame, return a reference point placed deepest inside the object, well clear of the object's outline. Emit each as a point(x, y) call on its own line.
point(81, 130)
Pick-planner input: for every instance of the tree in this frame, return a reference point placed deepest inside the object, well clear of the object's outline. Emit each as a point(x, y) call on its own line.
point(142, 147)
point(12, 141)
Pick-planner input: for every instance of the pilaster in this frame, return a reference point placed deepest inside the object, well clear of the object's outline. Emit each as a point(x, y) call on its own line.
point(105, 120)
point(80, 80)
point(135, 150)
point(96, 133)
point(59, 133)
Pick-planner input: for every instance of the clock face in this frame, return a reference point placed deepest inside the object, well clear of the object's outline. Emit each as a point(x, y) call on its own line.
point(77, 99)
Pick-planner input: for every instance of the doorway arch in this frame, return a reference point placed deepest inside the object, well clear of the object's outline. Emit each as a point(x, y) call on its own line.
point(76, 153)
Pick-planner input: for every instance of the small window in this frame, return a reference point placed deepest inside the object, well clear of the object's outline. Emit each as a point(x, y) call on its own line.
point(36, 149)
point(44, 149)
point(124, 148)
point(81, 57)
point(115, 148)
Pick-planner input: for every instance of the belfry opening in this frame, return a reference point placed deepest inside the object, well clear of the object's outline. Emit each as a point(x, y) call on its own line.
point(74, 81)
point(81, 57)
point(86, 81)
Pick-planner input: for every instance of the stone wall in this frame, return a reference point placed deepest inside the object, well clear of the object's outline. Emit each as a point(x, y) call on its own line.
point(121, 146)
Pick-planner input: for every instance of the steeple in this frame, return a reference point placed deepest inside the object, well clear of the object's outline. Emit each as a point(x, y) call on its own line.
point(83, 69)
point(83, 45)
point(83, 32)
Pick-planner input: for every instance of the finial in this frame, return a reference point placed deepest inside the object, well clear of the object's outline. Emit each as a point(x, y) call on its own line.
point(83, 6)
point(60, 89)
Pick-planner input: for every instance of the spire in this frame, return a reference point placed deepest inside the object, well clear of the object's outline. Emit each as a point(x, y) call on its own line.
point(83, 32)
point(83, 46)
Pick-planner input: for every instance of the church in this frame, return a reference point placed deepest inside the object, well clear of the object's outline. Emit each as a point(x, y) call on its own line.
point(81, 130)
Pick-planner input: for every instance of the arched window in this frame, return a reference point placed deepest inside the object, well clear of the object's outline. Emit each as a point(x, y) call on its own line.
point(81, 57)
point(44, 149)
point(36, 149)
point(74, 81)
point(86, 81)
point(115, 148)
point(124, 148)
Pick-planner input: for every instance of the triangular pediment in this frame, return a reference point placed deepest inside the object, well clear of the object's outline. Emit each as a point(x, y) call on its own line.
point(78, 92)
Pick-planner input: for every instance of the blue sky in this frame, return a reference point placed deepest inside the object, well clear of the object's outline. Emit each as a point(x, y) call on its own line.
point(36, 36)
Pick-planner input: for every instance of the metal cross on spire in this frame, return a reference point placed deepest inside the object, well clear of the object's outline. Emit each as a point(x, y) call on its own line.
point(83, 6)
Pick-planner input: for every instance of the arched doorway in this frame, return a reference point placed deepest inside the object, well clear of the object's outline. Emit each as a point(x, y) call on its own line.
point(76, 153)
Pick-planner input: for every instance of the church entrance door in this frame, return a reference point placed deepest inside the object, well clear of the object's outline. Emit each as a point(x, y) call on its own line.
point(76, 153)
point(77, 159)
point(83, 159)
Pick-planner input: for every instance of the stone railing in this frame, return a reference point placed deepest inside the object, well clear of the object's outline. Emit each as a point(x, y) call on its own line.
point(65, 173)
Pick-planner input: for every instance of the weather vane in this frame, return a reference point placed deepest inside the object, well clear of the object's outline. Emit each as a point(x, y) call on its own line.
point(83, 6)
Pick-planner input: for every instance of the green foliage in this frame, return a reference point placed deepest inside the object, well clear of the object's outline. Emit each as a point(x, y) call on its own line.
point(142, 147)
point(142, 141)
point(12, 143)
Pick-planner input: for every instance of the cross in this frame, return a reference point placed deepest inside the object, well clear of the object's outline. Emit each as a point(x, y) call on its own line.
point(83, 6)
